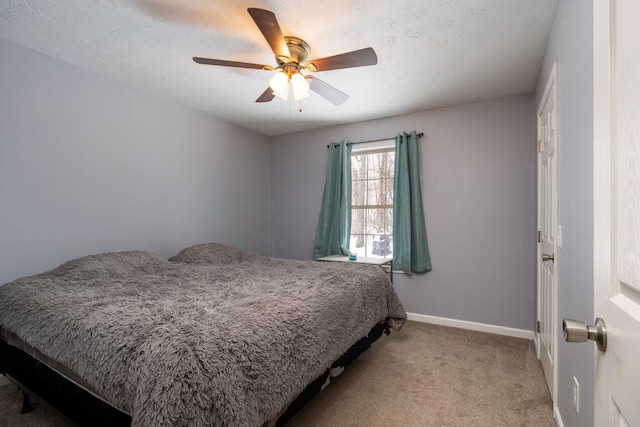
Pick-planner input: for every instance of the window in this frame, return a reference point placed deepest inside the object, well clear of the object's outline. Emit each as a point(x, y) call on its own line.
point(372, 201)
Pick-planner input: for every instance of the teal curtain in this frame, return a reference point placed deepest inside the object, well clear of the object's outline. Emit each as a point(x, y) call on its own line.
point(334, 225)
point(410, 247)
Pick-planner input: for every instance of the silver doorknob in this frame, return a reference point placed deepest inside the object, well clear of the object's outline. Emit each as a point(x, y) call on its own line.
point(547, 257)
point(575, 331)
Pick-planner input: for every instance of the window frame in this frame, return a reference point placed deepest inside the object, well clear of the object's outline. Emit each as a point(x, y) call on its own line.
point(377, 147)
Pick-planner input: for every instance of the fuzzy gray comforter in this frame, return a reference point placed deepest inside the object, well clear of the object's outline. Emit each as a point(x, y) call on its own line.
point(213, 337)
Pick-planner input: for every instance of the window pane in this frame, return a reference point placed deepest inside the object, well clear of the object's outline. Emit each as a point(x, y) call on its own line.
point(357, 245)
point(357, 221)
point(388, 186)
point(384, 165)
point(369, 244)
point(358, 167)
point(388, 217)
point(389, 246)
point(373, 165)
point(375, 221)
point(390, 159)
point(380, 246)
point(358, 192)
point(375, 192)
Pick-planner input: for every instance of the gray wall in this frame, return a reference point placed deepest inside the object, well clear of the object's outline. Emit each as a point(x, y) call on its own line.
point(571, 44)
point(478, 185)
point(89, 165)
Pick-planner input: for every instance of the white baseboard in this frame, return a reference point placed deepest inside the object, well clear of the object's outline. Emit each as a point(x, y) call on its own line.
point(556, 414)
point(3, 380)
point(480, 327)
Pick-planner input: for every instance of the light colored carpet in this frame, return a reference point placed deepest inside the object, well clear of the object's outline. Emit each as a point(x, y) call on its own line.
point(429, 375)
point(424, 375)
point(41, 416)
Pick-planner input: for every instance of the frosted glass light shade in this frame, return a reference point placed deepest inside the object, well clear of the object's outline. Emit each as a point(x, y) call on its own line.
point(300, 86)
point(280, 85)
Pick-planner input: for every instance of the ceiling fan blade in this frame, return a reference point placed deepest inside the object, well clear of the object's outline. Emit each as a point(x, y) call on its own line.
point(268, 25)
point(266, 96)
point(356, 58)
point(208, 61)
point(327, 91)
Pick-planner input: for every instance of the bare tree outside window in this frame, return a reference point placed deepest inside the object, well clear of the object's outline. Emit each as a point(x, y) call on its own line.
point(372, 203)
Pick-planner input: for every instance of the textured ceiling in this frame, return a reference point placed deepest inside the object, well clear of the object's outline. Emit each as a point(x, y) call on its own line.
point(431, 53)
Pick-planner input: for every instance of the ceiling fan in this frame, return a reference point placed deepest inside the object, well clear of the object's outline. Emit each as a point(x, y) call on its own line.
point(291, 56)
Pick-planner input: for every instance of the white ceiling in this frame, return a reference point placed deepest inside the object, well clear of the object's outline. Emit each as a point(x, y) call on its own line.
point(431, 53)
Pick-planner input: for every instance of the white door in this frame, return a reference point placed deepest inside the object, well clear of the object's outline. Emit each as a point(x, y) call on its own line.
point(617, 209)
point(547, 227)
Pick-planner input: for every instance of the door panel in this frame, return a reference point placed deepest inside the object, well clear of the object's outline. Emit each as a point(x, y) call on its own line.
point(617, 209)
point(547, 219)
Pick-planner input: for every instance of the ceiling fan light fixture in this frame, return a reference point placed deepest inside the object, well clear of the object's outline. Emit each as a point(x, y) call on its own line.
point(300, 86)
point(292, 55)
point(280, 85)
point(284, 94)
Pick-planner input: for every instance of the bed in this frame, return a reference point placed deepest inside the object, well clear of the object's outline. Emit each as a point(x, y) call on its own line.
point(214, 336)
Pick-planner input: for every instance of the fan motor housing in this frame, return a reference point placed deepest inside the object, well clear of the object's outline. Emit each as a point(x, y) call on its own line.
point(299, 50)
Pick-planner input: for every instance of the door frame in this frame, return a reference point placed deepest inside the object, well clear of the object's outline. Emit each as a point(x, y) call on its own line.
point(551, 89)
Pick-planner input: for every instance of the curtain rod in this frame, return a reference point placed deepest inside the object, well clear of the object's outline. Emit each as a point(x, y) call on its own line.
point(419, 135)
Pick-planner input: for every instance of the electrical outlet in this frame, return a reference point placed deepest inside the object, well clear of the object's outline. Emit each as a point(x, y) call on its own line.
point(576, 395)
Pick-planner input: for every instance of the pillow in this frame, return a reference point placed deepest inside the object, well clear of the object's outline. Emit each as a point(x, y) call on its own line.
point(212, 253)
point(111, 265)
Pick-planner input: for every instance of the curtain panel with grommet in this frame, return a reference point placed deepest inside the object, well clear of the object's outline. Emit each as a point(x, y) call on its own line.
point(334, 225)
point(410, 246)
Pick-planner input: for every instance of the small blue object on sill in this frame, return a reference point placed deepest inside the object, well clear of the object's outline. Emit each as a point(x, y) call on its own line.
point(352, 257)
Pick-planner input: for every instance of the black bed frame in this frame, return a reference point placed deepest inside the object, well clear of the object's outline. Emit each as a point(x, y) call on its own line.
point(85, 409)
